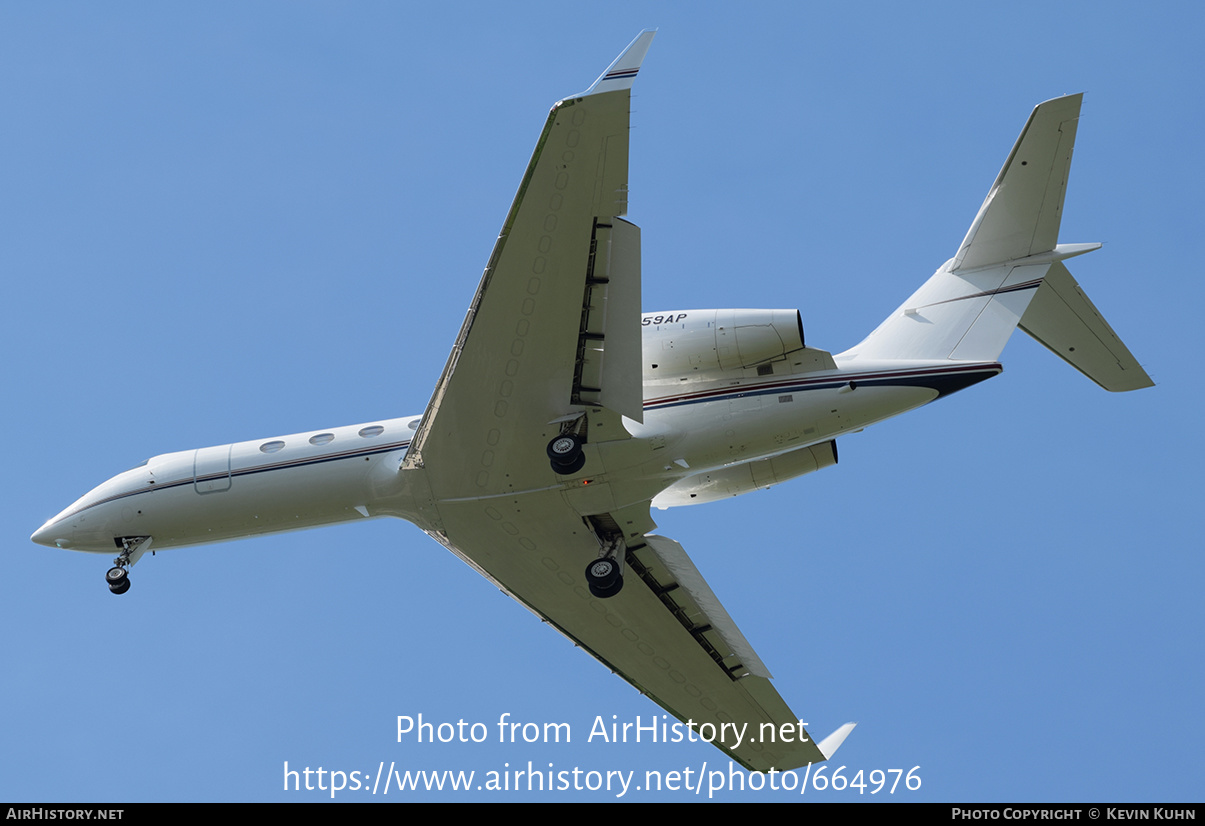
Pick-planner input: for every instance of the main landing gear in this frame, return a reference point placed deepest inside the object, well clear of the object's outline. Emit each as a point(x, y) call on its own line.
point(565, 454)
point(604, 576)
point(132, 548)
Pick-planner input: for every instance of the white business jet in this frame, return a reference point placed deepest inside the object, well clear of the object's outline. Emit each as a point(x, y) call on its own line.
point(563, 415)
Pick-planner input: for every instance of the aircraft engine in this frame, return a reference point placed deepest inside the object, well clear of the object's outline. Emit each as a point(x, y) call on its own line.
point(697, 342)
point(737, 479)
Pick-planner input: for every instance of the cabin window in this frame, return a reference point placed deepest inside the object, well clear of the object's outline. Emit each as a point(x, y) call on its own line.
point(322, 439)
point(373, 430)
point(413, 424)
point(271, 447)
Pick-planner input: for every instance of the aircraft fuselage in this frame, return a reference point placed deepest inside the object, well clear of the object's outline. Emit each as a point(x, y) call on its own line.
point(708, 431)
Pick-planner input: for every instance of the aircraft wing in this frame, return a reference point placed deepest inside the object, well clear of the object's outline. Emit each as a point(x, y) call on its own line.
point(554, 327)
point(553, 336)
point(664, 632)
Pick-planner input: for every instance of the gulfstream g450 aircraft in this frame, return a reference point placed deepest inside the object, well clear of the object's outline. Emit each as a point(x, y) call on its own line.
point(564, 415)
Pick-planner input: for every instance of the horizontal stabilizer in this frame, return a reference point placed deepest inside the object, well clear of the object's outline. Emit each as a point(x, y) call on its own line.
point(1064, 320)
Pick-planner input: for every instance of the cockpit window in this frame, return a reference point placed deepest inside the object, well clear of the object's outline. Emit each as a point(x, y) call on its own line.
point(140, 464)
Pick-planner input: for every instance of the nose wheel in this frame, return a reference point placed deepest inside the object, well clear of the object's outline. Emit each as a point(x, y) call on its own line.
point(132, 548)
point(118, 580)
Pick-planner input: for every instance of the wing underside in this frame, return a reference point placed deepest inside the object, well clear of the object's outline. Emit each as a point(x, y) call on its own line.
point(664, 632)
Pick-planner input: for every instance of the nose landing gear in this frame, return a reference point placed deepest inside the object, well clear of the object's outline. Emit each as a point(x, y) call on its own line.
point(132, 548)
point(118, 579)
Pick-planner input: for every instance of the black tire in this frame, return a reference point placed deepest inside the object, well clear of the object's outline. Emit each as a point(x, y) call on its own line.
point(120, 587)
point(564, 449)
point(602, 573)
point(116, 576)
point(605, 593)
point(571, 468)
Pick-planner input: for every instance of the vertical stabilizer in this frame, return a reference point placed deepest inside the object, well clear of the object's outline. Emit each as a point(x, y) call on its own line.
point(1008, 272)
point(1021, 215)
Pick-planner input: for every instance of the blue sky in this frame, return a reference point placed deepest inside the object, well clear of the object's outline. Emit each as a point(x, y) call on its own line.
point(242, 220)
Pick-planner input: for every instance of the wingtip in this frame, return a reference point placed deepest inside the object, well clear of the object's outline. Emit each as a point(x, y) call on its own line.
point(623, 70)
point(1068, 105)
point(829, 745)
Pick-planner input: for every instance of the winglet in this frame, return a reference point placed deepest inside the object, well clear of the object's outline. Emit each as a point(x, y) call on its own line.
point(622, 71)
point(829, 745)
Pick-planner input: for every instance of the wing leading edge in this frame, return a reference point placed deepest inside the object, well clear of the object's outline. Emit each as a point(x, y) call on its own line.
point(553, 334)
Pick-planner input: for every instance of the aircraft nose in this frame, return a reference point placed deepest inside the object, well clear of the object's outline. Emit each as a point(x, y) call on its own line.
point(53, 535)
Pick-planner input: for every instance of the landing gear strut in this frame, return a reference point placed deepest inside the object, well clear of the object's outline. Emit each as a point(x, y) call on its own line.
point(132, 547)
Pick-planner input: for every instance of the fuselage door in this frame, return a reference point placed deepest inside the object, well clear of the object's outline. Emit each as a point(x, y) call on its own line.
point(211, 469)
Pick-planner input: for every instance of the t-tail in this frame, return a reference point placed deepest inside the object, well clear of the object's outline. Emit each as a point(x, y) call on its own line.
point(1009, 273)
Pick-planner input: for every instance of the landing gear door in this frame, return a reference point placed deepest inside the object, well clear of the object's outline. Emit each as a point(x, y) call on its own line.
point(211, 469)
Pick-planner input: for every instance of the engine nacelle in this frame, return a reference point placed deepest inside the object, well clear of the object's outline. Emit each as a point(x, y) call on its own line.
point(692, 342)
point(737, 479)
